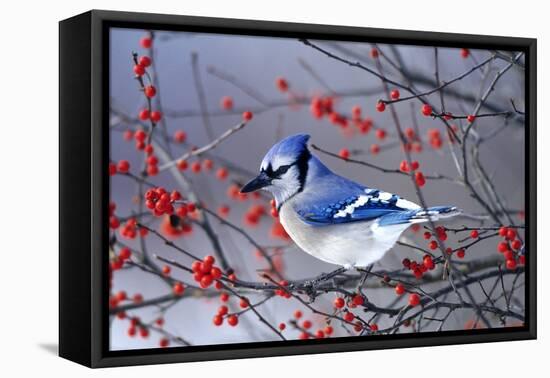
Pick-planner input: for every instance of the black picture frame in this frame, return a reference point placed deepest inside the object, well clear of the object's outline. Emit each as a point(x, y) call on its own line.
point(84, 187)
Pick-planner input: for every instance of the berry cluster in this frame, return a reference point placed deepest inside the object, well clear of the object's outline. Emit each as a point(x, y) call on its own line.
point(510, 247)
point(204, 272)
point(281, 291)
point(129, 229)
point(140, 69)
point(223, 313)
point(419, 269)
point(160, 202)
point(404, 166)
point(254, 214)
point(434, 138)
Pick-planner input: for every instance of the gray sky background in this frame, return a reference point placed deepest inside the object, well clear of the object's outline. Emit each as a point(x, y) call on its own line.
point(257, 62)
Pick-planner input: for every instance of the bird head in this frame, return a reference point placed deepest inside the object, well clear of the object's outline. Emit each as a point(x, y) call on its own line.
point(284, 169)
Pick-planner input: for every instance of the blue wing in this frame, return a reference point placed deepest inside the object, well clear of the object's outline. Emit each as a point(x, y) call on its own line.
point(338, 200)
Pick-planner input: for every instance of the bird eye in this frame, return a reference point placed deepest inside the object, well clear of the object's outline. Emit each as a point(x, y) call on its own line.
point(282, 170)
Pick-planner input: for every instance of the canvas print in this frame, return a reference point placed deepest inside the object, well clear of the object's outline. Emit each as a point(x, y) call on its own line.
point(266, 189)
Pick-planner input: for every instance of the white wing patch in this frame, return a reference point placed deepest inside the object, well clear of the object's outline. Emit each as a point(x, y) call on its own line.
point(374, 194)
point(385, 196)
point(404, 204)
point(351, 207)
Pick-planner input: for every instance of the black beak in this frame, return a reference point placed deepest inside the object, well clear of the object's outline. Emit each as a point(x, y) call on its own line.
point(261, 181)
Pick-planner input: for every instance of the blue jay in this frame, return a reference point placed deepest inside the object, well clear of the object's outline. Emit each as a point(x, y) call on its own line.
point(330, 217)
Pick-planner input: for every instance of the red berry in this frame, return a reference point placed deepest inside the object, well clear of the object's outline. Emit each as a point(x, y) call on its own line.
point(282, 326)
point(218, 320)
point(381, 134)
point(232, 320)
point(123, 166)
point(216, 273)
point(182, 165)
point(144, 332)
point(426, 110)
point(356, 112)
point(339, 302)
point(164, 342)
point(414, 300)
point(121, 295)
point(247, 116)
point(328, 330)
point(374, 327)
point(208, 164)
point(139, 70)
point(196, 166)
point(420, 179)
point(307, 324)
point(374, 149)
point(503, 231)
point(210, 260)
point(374, 53)
point(433, 245)
point(226, 103)
point(144, 114)
point(344, 153)
point(394, 94)
point(282, 84)
point(149, 149)
point(180, 136)
point(511, 234)
point(409, 133)
point(146, 42)
point(145, 61)
point(125, 253)
point(152, 170)
point(178, 288)
point(166, 270)
point(516, 244)
point(460, 253)
point(511, 264)
point(224, 297)
point(298, 314)
point(152, 160)
point(380, 106)
point(509, 255)
point(150, 91)
point(471, 118)
point(502, 247)
point(474, 234)
point(404, 166)
point(141, 135)
point(222, 173)
point(137, 298)
point(358, 300)
point(349, 316)
point(464, 53)
point(399, 289)
point(128, 135)
point(156, 116)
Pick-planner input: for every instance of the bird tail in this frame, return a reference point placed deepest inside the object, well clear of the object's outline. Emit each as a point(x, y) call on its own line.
point(434, 214)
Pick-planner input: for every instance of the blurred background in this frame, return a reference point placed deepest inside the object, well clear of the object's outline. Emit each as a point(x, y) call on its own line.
point(246, 69)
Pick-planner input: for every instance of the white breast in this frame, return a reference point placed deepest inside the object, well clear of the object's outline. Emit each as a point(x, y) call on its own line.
point(348, 244)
